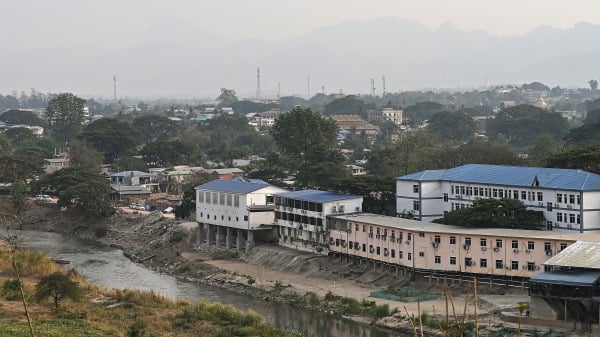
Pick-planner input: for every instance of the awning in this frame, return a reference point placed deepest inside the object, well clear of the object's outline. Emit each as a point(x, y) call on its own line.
point(573, 278)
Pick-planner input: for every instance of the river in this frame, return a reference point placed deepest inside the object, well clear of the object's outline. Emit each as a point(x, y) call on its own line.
point(109, 268)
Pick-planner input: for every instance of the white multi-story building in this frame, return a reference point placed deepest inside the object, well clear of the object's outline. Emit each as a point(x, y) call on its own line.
point(569, 198)
point(301, 217)
point(230, 212)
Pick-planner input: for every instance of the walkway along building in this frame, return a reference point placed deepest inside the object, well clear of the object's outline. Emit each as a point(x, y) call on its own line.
point(230, 213)
point(301, 217)
point(446, 251)
point(569, 199)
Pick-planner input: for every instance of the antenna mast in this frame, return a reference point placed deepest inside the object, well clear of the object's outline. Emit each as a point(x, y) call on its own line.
point(383, 83)
point(373, 87)
point(115, 88)
point(258, 82)
point(278, 89)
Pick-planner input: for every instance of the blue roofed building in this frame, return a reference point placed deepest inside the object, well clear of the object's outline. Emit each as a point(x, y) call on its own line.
point(569, 198)
point(234, 213)
point(301, 217)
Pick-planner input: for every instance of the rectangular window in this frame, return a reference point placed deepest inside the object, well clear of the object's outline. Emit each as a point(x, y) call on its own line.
point(500, 194)
point(483, 263)
point(481, 191)
point(200, 197)
point(468, 261)
point(523, 195)
point(445, 197)
point(559, 198)
point(559, 217)
point(236, 200)
point(416, 205)
point(462, 190)
point(453, 260)
point(547, 247)
point(476, 191)
point(378, 250)
point(400, 254)
point(437, 239)
point(578, 199)
point(499, 264)
point(469, 190)
point(245, 218)
point(495, 193)
point(578, 219)
point(415, 188)
point(530, 245)
point(514, 265)
point(540, 196)
point(563, 246)
point(571, 198)
point(571, 218)
point(409, 236)
point(409, 256)
point(514, 244)
point(530, 266)
point(229, 199)
point(498, 243)
point(515, 194)
point(364, 247)
point(467, 241)
point(437, 259)
point(421, 254)
point(350, 244)
point(483, 242)
point(393, 253)
point(422, 234)
point(453, 240)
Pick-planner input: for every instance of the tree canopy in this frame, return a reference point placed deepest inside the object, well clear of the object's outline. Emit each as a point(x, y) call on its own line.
point(227, 97)
point(495, 213)
point(308, 143)
point(349, 105)
point(455, 125)
point(156, 128)
point(57, 286)
point(22, 117)
point(584, 158)
point(112, 137)
point(171, 153)
point(65, 116)
point(523, 123)
point(79, 188)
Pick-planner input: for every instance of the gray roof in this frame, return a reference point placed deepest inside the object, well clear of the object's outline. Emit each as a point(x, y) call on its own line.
point(129, 190)
point(581, 254)
point(130, 174)
point(572, 278)
point(317, 196)
point(521, 176)
point(236, 185)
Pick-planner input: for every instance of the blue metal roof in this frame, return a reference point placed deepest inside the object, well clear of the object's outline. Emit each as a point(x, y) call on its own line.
point(236, 185)
point(573, 278)
point(549, 178)
point(131, 174)
point(317, 196)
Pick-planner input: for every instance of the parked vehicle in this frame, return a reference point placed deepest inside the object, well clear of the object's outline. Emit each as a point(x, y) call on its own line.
point(43, 198)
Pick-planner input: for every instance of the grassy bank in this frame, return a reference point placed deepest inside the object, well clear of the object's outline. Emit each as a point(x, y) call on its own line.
point(100, 312)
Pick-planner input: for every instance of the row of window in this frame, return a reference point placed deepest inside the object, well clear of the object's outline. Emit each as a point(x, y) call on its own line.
point(299, 204)
point(308, 220)
point(483, 242)
point(496, 193)
point(568, 198)
point(222, 217)
point(219, 198)
point(568, 217)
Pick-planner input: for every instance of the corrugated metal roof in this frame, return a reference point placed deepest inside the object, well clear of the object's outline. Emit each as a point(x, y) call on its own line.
point(130, 173)
point(317, 196)
point(237, 185)
point(581, 254)
point(550, 178)
point(415, 225)
point(572, 278)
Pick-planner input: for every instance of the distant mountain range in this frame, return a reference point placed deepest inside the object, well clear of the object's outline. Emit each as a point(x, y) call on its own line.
point(175, 59)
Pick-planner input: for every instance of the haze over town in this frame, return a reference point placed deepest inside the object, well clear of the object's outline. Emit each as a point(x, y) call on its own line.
point(190, 49)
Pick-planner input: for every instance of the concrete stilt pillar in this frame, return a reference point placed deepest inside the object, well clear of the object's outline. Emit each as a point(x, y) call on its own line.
point(219, 236)
point(199, 235)
point(209, 234)
point(238, 243)
point(228, 238)
point(250, 241)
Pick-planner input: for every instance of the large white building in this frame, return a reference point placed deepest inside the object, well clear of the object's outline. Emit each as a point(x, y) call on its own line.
point(230, 212)
point(301, 217)
point(569, 198)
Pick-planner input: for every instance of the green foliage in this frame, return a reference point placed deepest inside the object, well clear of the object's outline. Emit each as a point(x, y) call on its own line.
point(188, 202)
point(495, 213)
point(130, 163)
point(18, 135)
point(137, 329)
point(50, 328)
point(251, 280)
point(100, 231)
point(22, 117)
point(57, 286)
point(423, 110)
point(307, 143)
point(584, 135)
point(177, 236)
point(80, 188)
point(227, 97)
point(40, 148)
point(112, 137)
point(244, 107)
point(65, 116)
point(156, 128)
point(171, 153)
point(11, 289)
point(378, 192)
point(18, 195)
point(17, 167)
point(523, 123)
point(455, 125)
point(349, 105)
point(82, 154)
point(5, 145)
point(584, 158)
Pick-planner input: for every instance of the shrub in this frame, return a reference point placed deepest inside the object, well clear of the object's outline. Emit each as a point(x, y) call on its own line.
point(177, 236)
point(101, 231)
point(251, 280)
point(311, 298)
point(11, 289)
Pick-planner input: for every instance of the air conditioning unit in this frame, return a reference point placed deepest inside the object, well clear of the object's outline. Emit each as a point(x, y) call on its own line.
point(524, 267)
point(407, 242)
point(569, 206)
point(357, 209)
point(496, 249)
point(378, 236)
point(435, 244)
point(537, 267)
point(569, 225)
point(527, 251)
point(343, 245)
point(541, 204)
point(466, 246)
point(370, 235)
point(515, 250)
point(484, 248)
point(548, 253)
point(384, 237)
point(471, 263)
point(371, 250)
point(392, 239)
point(385, 253)
point(508, 268)
point(398, 240)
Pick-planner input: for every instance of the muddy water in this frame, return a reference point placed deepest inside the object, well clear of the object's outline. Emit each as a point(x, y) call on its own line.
point(108, 268)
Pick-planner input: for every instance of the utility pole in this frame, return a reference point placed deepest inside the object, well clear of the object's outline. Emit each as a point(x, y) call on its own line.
point(372, 87)
point(383, 91)
point(278, 90)
point(258, 83)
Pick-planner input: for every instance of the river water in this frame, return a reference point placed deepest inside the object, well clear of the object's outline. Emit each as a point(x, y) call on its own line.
point(109, 268)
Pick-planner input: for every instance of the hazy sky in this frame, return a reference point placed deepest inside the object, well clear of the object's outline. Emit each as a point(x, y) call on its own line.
point(112, 23)
point(34, 32)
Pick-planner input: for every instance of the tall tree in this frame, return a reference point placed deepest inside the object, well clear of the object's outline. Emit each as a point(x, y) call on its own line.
point(18, 135)
point(593, 84)
point(455, 125)
point(82, 154)
point(156, 128)
point(65, 116)
point(57, 286)
point(22, 117)
point(308, 143)
point(227, 97)
point(112, 137)
point(349, 105)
